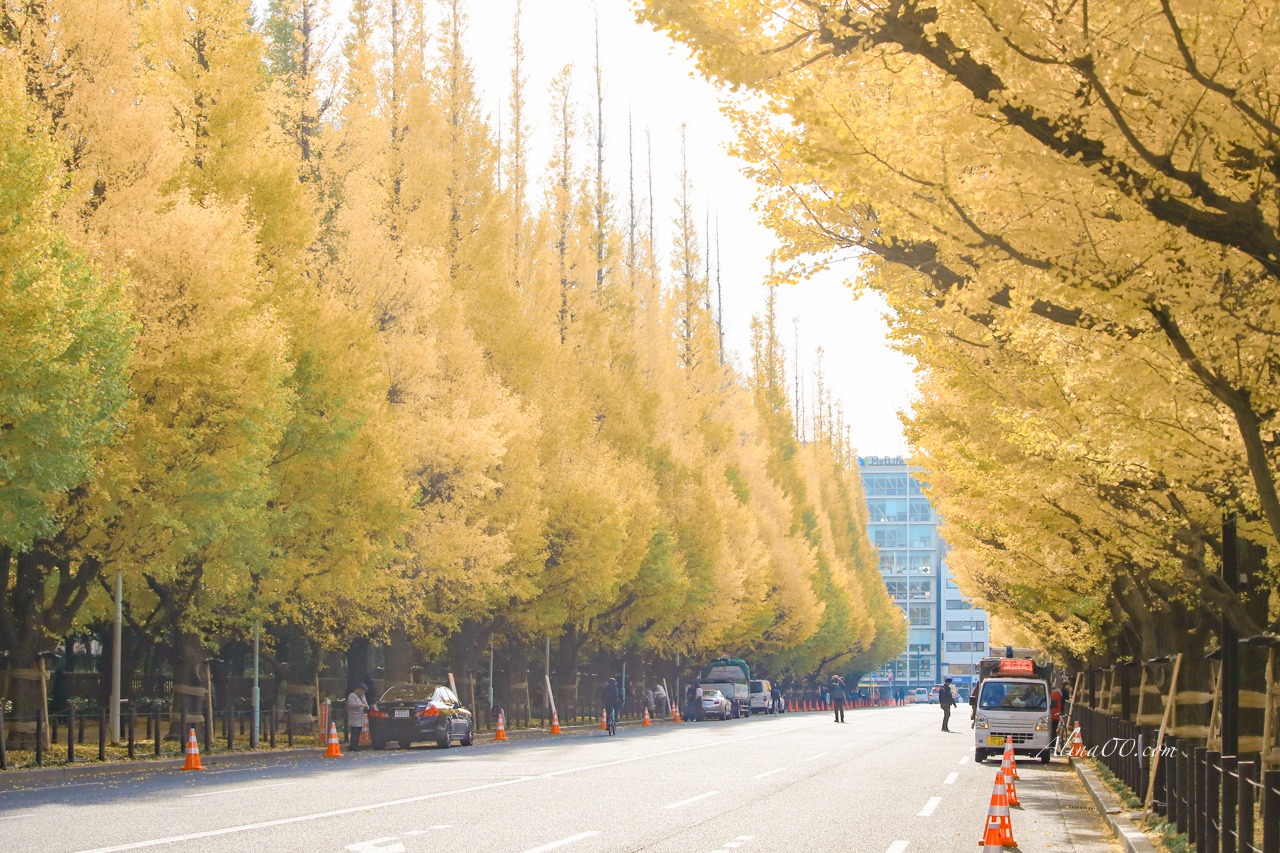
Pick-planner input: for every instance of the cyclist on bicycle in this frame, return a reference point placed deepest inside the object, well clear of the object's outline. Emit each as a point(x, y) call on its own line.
point(612, 701)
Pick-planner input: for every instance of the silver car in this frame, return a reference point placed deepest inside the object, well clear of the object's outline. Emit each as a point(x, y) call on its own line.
point(714, 704)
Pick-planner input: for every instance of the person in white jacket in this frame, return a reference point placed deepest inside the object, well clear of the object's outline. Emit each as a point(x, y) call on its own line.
point(357, 710)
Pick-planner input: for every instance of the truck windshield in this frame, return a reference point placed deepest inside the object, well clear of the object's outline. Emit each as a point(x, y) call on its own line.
point(1014, 696)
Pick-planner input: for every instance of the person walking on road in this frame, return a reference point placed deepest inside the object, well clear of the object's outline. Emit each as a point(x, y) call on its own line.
point(357, 708)
point(946, 698)
point(837, 697)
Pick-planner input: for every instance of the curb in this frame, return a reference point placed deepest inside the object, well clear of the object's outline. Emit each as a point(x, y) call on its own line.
point(14, 779)
point(1125, 830)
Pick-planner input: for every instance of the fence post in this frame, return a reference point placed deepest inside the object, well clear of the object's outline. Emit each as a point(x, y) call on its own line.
point(288, 724)
point(1212, 811)
point(1271, 811)
point(271, 731)
point(1230, 794)
point(4, 752)
point(1171, 780)
point(1198, 795)
point(39, 740)
point(155, 727)
point(71, 734)
point(133, 722)
point(1244, 821)
point(231, 730)
point(208, 728)
point(1184, 782)
point(102, 734)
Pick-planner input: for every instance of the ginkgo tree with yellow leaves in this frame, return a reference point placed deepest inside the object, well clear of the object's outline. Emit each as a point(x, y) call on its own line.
point(1072, 209)
point(316, 362)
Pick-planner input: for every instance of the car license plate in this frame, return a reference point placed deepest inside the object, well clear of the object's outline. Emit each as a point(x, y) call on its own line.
point(995, 740)
point(403, 713)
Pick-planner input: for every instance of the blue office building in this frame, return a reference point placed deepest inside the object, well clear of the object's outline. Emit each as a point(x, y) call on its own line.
point(947, 635)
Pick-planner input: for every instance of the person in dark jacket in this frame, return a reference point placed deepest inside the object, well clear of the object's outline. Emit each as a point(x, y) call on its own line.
point(837, 697)
point(946, 698)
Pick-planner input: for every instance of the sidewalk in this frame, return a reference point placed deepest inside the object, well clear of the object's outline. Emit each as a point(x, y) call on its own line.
point(1057, 814)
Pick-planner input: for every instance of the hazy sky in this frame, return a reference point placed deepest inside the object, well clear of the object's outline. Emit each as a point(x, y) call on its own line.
point(654, 81)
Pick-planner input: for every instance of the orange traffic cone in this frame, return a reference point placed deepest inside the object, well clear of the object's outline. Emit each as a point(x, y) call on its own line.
point(1077, 743)
point(646, 718)
point(501, 733)
point(675, 713)
point(604, 719)
point(193, 753)
point(999, 831)
point(555, 723)
point(333, 751)
point(364, 733)
point(1006, 770)
point(1012, 770)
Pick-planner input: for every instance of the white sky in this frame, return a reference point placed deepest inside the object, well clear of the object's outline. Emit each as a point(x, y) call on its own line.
point(647, 75)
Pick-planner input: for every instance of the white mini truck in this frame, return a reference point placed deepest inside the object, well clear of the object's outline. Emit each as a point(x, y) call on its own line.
point(1013, 702)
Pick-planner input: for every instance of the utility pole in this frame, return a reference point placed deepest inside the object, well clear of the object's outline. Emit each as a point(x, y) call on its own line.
point(116, 637)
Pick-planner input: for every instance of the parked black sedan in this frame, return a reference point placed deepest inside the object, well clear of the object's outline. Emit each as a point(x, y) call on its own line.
point(415, 712)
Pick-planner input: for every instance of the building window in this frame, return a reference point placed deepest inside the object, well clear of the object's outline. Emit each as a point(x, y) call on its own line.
point(959, 669)
point(952, 584)
point(958, 604)
point(887, 510)
point(888, 536)
point(921, 538)
point(920, 648)
point(921, 589)
point(966, 647)
point(920, 512)
point(892, 562)
point(921, 669)
point(967, 625)
point(887, 485)
point(920, 614)
point(897, 589)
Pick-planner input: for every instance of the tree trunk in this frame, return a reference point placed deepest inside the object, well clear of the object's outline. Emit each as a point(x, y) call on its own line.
point(186, 657)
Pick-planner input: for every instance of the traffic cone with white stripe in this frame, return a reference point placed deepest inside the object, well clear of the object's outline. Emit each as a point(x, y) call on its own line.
point(646, 718)
point(675, 713)
point(501, 733)
point(365, 740)
point(1077, 743)
point(193, 753)
point(604, 719)
point(333, 751)
point(1012, 769)
point(555, 723)
point(1007, 771)
point(999, 831)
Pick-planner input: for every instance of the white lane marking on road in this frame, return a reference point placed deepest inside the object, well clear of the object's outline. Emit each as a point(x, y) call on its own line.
point(16, 816)
point(929, 807)
point(768, 773)
point(744, 838)
point(386, 844)
point(238, 790)
point(562, 842)
point(963, 759)
point(819, 755)
point(951, 779)
point(284, 821)
point(897, 847)
point(691, 800)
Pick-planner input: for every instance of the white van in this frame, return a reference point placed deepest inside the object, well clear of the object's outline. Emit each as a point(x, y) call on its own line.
point(1013, 704)
point(761, 696)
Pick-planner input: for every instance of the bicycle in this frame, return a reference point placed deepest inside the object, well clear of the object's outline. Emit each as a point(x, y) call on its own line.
point(611, 715)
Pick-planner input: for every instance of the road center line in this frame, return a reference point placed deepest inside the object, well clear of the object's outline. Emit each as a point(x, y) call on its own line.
point(929, 807)
point(819, 755)
point(897, 847)
point(963, 759)
point(951, 779)
point(563, 841)
point(691, 800)
point(284, 821)
point(768, 773)
point(238, 790)
point(16, 816)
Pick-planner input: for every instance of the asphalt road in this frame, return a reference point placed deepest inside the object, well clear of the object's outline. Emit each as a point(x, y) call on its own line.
point(886, 780)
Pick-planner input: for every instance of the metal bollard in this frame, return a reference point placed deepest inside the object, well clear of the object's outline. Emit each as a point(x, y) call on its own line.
point(288, 724)
point(133, 722)
point(4, 752)
point(208, 729)
point(271, 730)
point(71, 734)
point(155, 727)
point(230, 729)
point(102, 734)
point(39, 740)
point(80, 728)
